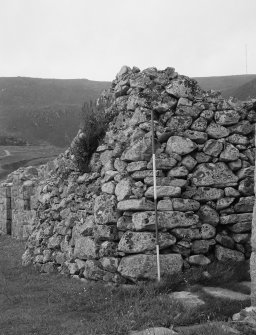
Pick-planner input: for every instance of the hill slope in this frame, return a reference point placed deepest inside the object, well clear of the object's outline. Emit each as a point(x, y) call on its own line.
point(44, 110)
point(228, 85)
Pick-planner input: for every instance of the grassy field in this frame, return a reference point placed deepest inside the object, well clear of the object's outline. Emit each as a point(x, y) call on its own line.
point(40, 304)
point(25, 156)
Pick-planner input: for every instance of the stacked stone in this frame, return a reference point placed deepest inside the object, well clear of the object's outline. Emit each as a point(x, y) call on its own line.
point(100, 225)
point(5, 209)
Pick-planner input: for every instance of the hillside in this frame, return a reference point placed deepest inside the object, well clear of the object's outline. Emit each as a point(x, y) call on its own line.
point(44, 110)
point(246, 91)
point(229, 85)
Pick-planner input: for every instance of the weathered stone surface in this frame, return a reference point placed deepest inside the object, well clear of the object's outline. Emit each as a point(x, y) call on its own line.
point(93, 271)
point(163, 191)
point(244, 205)
point(189, 162)
point(236, 218)
point(241, 227)
point(85, 248)
point(230, 153)
point(105, 209)
point(207, 231)
point(196, 136)
point(201, 157)
point(227, 117)
point(164, 162)
point(225, 254)
point(192, 111)
point(137, 166)
point(178, 172)
point(180, 145)
point(139, 175)
point(155, 331)
point(124, 223)
point(137, 242)
point(231, 192)
point(199, 124)
point(235, 165)
point(183, 87)
point(200, 260)
point(224, 203)
point(237, 139)
point(139, 151)
point(202, 246)
point(167, 220)
point(179, 123)
point(208, 194)
point(244, 127)
point(241, 238)
point(164, 205)
point(166, 181)
point(135, 205)
point(213, 147)
point(210, 174)
point(246, 187)
point(246, 173)
point(187, 233)
point(144, 266)
point(108, 187)
point(108, 249)
point(225, 241)
point(185, 205)
point(123, 189)
point(208, 215)
point(105, 233)
point(216, 131)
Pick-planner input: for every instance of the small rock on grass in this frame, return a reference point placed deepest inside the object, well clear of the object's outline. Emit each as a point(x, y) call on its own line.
point(154, 331)
point(223, 293)
point(187, 299)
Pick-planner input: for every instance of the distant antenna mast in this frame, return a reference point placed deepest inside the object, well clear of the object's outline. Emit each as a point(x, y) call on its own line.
point(246, 59)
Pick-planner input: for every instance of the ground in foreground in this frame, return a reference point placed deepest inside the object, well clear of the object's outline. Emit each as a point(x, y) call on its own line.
point(41, 304)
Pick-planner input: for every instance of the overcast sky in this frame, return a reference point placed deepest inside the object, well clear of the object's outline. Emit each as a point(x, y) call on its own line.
point(94, 38)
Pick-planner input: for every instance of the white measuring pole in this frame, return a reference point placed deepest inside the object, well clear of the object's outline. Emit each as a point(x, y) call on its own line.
point(155, 196)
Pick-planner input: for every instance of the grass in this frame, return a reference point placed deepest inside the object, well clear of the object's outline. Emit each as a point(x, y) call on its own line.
point(25, 156)
point(37, 304)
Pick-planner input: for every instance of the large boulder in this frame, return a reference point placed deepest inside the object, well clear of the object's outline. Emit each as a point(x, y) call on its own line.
point(135, 205)
point(218, 175)
point(183, 87)
point(139, 151)
point(224, 254)
point(166, 220)
point(180, 145)
point(105, 209)
point(85, 248)
point(136, 242)
point(138, 267)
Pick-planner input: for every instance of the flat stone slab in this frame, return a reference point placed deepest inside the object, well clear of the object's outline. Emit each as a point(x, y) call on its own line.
point(224, 293)
point(154, 331)
point(187, 299)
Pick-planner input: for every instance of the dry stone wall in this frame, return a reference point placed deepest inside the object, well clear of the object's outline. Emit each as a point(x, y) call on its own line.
point(100, 225)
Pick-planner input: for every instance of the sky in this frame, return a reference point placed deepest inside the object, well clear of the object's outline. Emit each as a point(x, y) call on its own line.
point(93, 38)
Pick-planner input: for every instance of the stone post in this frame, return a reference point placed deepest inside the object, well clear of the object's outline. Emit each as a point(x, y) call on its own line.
point(253, 253)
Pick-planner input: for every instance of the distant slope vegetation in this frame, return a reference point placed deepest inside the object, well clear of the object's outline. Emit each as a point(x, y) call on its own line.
point(246, 91)
point(44, 110)
point(236, 86)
